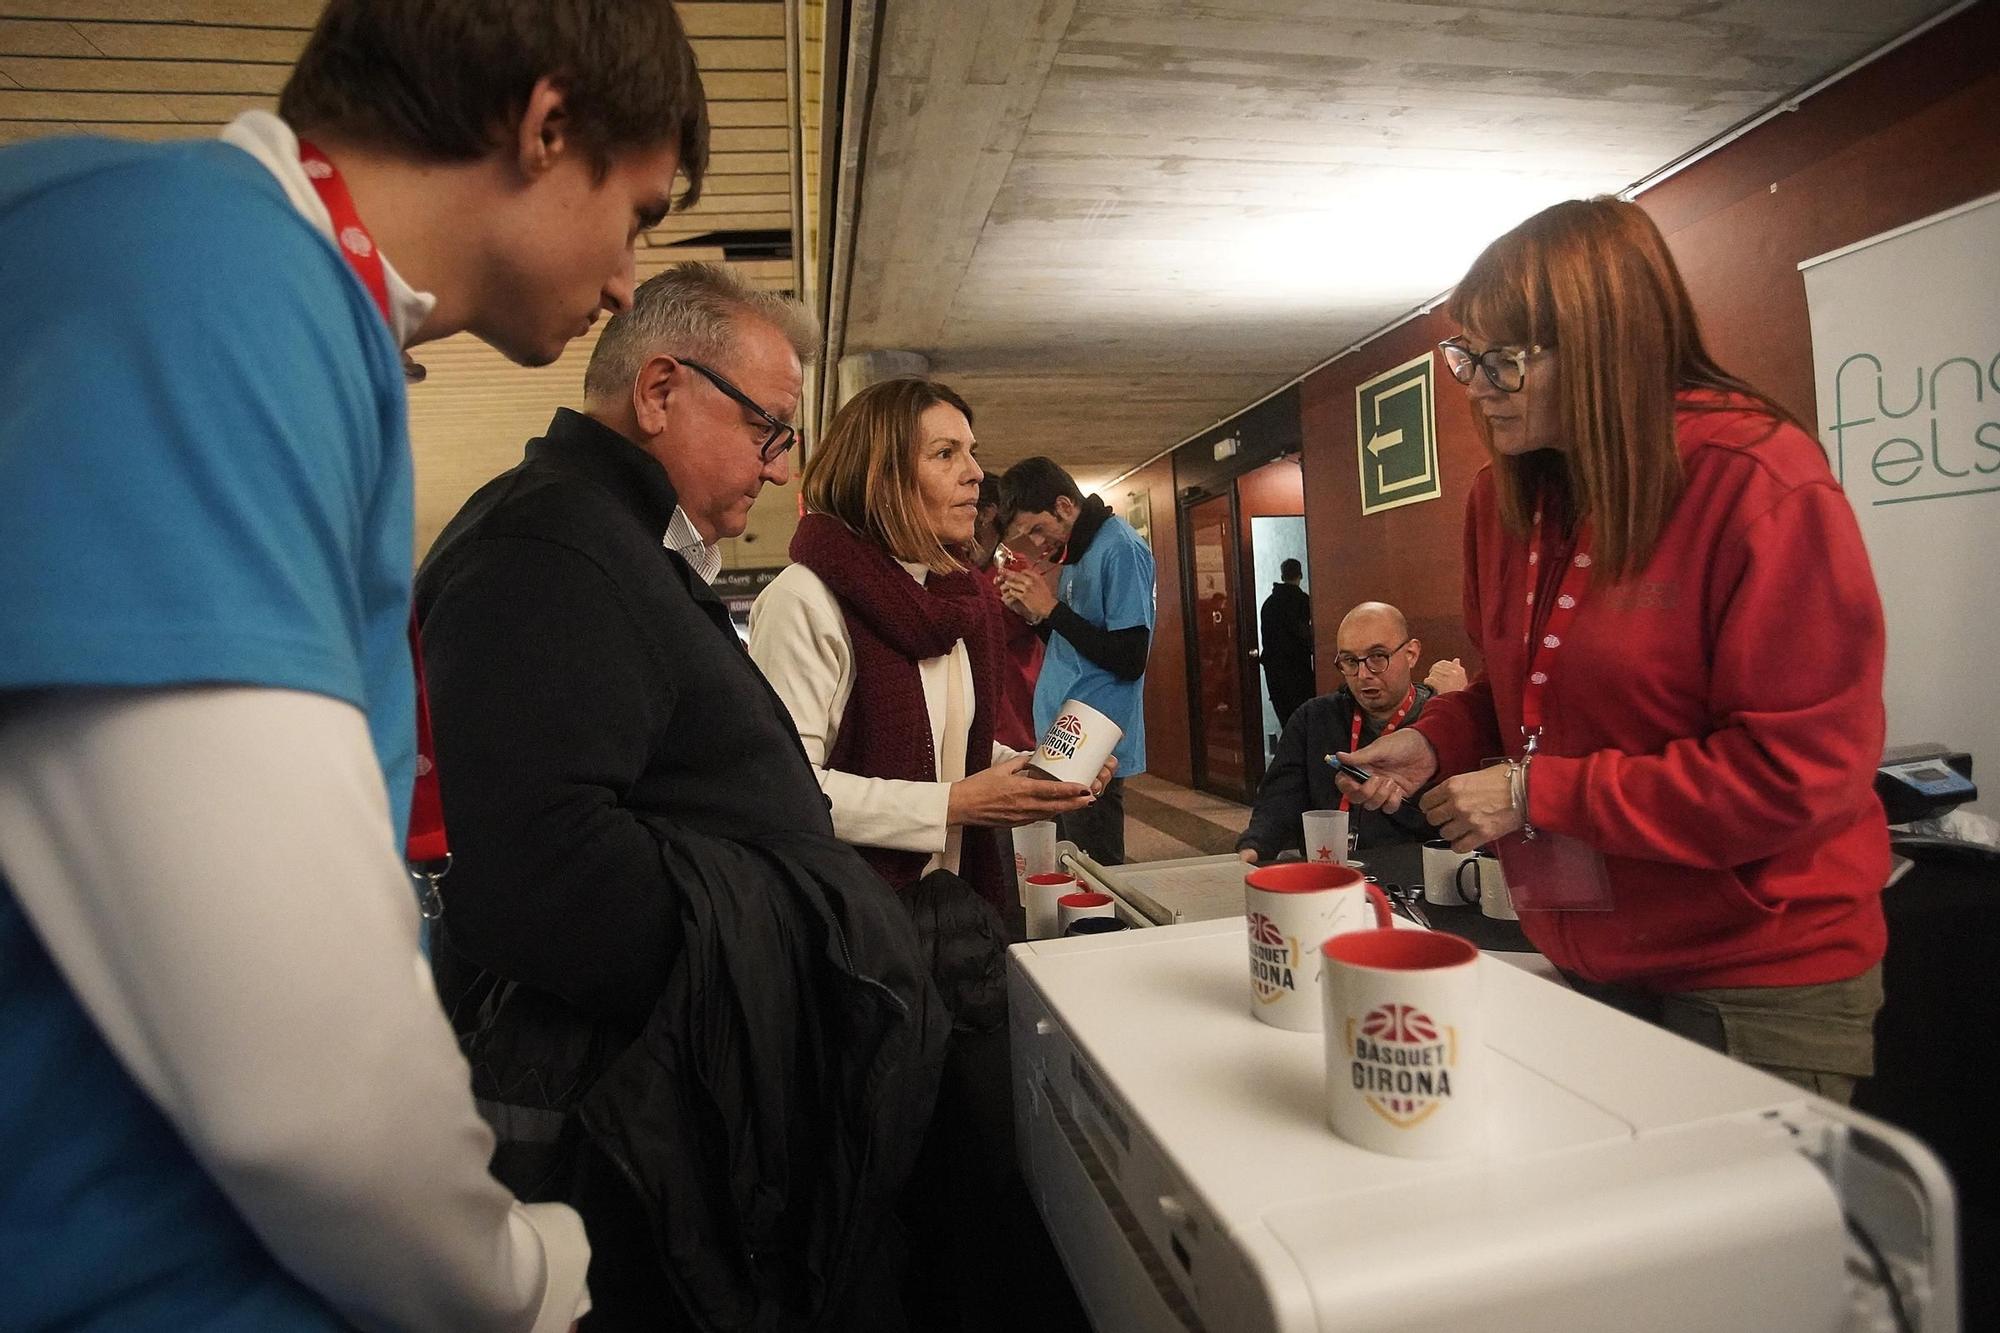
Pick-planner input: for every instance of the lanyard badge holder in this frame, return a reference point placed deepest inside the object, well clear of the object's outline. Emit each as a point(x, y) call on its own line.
point(1548, 871)
point(426, 853)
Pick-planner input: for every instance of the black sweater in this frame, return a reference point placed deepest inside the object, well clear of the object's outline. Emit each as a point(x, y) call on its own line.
point(1300, 779)
point(582, 679)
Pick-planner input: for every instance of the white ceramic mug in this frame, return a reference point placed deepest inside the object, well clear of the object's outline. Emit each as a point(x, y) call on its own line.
point(1488, 887)
point(1291, 910)
point(1034, 853)
point(1405, 1060)
point(1440, 874)
point(1044, 893)
point(1076, 744)
point(1074, 907)
point(1327, 839)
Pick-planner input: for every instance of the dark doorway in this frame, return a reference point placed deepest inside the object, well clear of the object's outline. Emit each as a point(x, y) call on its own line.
point(1215, 615)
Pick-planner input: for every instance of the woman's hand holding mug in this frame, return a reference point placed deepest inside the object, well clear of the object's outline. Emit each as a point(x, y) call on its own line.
point(1003, 796)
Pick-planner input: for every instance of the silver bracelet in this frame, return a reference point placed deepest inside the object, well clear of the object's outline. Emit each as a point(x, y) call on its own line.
point(1517, 790)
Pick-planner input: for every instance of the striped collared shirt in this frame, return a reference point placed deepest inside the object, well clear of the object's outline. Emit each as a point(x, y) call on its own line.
point(682, 537)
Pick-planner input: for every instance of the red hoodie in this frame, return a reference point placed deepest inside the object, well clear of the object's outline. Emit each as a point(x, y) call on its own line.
point(1712, 725)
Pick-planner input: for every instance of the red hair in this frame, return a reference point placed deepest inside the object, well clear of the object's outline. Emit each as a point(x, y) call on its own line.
point(1593, 279)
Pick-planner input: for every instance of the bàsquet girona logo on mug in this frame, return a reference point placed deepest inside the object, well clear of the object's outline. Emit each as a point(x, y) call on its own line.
point(1402, 1061)
point(1065, 738)
point(1274, 960)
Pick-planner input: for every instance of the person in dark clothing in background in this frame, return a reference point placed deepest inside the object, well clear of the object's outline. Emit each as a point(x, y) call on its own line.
point(1377, 656)
point(1285, 625)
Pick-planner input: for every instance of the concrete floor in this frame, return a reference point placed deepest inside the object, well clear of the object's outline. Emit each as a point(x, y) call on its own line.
point(1164, 820)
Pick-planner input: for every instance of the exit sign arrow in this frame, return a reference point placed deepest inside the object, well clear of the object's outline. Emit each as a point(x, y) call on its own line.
point(1396, 437)
point(1388, 439)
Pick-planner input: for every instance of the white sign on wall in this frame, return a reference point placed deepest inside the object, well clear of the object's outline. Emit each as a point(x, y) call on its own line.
point(1906, 358)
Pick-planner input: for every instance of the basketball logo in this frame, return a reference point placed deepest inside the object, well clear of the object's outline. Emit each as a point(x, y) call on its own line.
point(1273, 960)
point(1402, 1060)
point(1065, 738)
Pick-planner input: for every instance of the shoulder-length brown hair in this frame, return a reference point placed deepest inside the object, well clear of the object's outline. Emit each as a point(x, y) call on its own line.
point(1593, 279)
point(864, 472)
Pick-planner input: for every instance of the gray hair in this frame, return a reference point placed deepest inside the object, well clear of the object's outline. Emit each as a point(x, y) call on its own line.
point(690, 311)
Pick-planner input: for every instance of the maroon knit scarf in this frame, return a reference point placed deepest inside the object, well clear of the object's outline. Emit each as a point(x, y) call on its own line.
point(894, 623)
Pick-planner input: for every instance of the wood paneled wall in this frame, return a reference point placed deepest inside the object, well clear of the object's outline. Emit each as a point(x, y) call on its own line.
point(1912, 133)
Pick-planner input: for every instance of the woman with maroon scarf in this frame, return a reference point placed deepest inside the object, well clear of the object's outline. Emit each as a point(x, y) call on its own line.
point(886, 645)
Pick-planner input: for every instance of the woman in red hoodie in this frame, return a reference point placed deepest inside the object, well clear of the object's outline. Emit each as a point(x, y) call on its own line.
point(1683, 646)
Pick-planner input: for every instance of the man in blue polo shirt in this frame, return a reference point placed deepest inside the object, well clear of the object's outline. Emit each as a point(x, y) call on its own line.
point(228, 1097)
point(1098, 621)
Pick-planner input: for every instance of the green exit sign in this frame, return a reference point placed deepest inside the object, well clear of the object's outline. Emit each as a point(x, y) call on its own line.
point(1396, 437)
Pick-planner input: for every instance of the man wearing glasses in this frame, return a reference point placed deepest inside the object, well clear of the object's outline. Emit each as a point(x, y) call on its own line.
point(584, 680)
point(1377, 658)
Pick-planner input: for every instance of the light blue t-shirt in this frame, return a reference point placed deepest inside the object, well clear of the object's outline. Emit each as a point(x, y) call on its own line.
point(1111, 587)
point(204, 477)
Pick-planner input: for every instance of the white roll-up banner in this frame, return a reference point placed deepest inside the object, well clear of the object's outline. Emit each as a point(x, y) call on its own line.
point(1906, 358)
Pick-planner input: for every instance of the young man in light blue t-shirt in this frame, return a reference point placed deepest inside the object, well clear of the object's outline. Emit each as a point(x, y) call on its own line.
point(1098, 621)
point(228, 1097)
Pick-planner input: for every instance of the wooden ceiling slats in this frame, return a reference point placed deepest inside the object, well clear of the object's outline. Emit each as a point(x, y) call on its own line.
point(732, 18)
point(744, 115)
point(720, 53)
point(301, 14)
point(147, 76)
point(149, 41)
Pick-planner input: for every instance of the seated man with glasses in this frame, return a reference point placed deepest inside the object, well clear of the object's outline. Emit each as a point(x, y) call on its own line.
point(1377, 656)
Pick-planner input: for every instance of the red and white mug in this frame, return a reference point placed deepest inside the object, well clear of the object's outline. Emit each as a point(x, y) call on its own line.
point(1405, 1059)
point(1292, 909)
point(1074, 907)
point(1076, 744)
point(1040, 899)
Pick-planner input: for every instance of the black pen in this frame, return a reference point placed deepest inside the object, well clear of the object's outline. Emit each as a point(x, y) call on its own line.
point(1349, 771)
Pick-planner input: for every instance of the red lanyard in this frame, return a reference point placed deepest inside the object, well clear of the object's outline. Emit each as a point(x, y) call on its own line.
point(1395, 720)
point(425, 844)
point(357, 247)
point(1555, 625)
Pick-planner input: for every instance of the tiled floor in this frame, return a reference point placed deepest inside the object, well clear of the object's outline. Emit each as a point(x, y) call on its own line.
point(1164, 820)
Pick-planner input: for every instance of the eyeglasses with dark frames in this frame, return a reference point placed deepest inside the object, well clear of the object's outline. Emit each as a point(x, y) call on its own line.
point(1377, 662)
point(1506, 367)
point(780, 436)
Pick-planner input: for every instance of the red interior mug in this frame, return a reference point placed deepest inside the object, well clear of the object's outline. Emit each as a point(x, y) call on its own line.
point(1291, 909)
point(1077, 906)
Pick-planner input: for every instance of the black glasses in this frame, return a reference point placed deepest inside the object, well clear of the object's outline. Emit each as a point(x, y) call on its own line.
point(1506, 367)
point(780, 438)
point(1377, 662)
